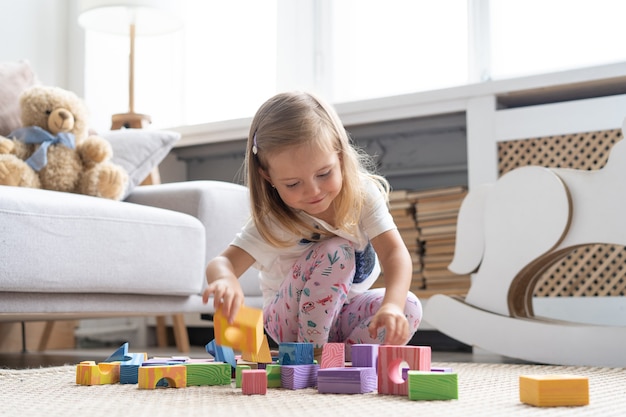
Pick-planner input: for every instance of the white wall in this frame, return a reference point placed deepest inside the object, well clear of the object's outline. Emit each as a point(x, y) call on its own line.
point(47, 34)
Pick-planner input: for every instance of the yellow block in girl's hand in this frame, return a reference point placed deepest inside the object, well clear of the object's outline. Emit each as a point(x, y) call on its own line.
point(246, 332)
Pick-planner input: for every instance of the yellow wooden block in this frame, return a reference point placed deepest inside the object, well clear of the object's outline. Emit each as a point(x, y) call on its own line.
point(262, 356)
point(246, 332)
point(149, 376)
point(88, 373)
point(554, 390)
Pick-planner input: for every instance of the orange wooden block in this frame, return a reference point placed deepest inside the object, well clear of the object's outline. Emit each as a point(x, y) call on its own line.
point(262, 356)
point(175, 375)
point(246, 332)
point(88, 373)
point(554, 390)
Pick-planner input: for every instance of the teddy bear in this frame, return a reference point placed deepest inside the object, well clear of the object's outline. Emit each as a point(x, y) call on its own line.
point(53, 149)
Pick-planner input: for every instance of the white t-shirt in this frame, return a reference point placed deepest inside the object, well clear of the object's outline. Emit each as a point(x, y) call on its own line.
point(275, 264)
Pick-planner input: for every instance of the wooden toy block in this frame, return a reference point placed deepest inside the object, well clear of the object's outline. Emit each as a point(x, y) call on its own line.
point(292, 353)
point(333, 355)
point(390, 362)
point(554, 390)
point(88, 373)
point(150, 376)
point(433, 385)
point(298, 376)
point(245, 334)
point(221, 353)
point(364, 355)
point(347, 380)
point(273, 376)
point(120, 355)
point(254, 381)
point(129, 368)
point(238, 371)
point(209, 373)
point(262, 356)
point(439, 369)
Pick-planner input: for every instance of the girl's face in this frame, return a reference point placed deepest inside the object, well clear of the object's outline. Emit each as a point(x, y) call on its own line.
point(307, 179)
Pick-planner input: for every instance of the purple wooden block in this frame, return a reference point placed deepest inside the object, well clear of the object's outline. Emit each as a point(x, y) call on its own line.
point(298, 376)
point(364, 355)
point(441, 370)
point(347, 380)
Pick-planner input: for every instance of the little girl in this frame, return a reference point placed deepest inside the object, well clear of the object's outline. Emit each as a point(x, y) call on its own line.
point(320, 227)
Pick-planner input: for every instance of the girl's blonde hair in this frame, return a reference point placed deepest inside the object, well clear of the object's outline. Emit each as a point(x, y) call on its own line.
point(290, 120)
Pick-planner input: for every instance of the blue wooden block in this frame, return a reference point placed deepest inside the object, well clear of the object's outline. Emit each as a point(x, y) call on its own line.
point(221, 353)
point(120, 355)
point(292, 353)
point(129, 369)
point(347, 380)
point(298, 376)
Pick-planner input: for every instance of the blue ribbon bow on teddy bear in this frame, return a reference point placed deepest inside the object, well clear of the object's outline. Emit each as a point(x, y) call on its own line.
point(37, 135)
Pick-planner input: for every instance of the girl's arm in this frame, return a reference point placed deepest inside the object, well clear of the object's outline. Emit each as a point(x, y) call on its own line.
point(397, 267)
point(222, 274)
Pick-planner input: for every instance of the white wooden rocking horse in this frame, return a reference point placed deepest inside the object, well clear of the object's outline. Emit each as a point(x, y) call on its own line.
point(508, 233)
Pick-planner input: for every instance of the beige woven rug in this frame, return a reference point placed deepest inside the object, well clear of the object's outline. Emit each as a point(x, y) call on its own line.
point(484, 390)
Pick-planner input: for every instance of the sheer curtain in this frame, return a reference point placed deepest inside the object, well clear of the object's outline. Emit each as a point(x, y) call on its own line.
point(232, 55)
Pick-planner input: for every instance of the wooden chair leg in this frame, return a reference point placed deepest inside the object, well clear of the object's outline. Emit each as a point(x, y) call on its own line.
point(180, 333)
point(45, 336)
point(161, 332)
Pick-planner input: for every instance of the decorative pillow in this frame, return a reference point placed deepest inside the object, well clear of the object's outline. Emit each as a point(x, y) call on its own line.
point(15, 77)
point(138, 151)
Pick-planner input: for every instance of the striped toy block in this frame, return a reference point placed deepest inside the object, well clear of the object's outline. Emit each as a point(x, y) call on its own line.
point(262, 356)
point(245, 334)
point(298, 376)
point(174, 375)
point(438, 369)
point(293, 353)
point(254, 381)
point(346, 380)
point(364, 355)
point(129, 368)
point(333, 355)
point(238, 371)
point(554, 390)
point(208, 373)
point(390, 360)
point(88, 373)
point(221, 353)
point(433, 385)
point(273, 376)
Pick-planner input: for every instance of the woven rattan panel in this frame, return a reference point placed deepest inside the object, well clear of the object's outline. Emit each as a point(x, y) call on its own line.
point(592, 270)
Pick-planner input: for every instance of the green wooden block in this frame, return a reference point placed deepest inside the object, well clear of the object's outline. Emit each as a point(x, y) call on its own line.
point(273, 376)
point(238, 371)
point(433, 385)
point(208, 373)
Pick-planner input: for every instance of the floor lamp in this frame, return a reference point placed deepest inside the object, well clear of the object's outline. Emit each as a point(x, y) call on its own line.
point(132, 18)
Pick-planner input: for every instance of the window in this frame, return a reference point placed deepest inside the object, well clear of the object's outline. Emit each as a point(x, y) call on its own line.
point(232, 55)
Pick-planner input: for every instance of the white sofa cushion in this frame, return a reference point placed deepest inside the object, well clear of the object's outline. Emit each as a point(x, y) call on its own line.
point(113, 247)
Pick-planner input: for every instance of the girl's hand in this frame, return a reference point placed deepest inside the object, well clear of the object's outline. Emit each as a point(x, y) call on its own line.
point(396, 325)
point(227, 295)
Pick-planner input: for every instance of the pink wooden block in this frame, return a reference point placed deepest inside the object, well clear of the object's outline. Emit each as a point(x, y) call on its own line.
point(392, 360)
point(254, 381)
point(333, 355)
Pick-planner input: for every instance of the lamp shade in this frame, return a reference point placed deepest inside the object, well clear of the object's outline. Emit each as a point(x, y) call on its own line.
point(150, 17)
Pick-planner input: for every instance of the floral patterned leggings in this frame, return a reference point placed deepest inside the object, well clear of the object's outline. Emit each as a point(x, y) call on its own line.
point(311, 304)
